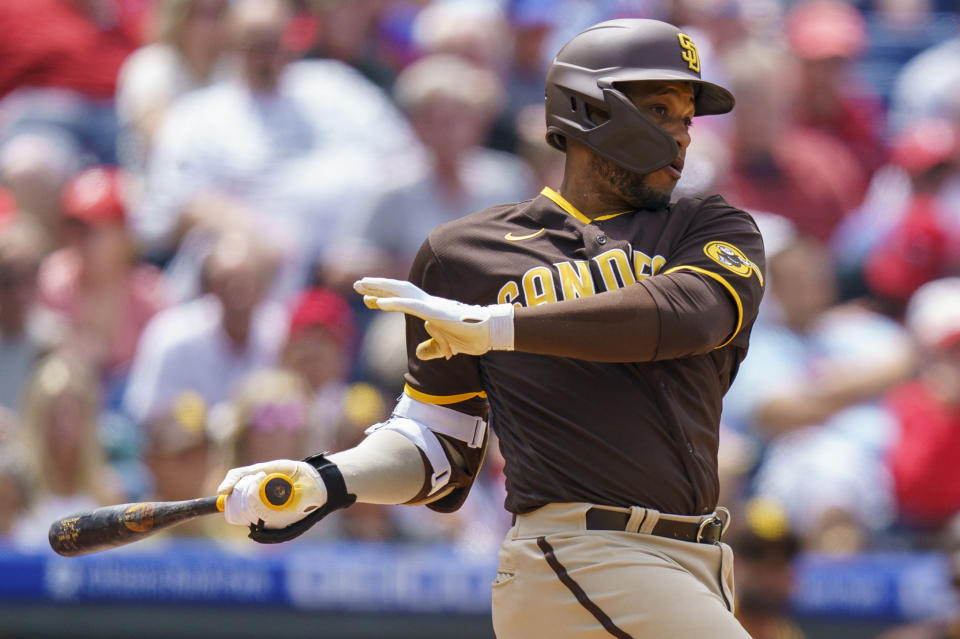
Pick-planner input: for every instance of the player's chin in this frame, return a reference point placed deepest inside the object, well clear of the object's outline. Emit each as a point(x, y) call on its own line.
point(658, 188)
point(663, 180)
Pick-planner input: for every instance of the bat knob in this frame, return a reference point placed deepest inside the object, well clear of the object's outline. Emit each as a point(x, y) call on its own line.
point(276, 491)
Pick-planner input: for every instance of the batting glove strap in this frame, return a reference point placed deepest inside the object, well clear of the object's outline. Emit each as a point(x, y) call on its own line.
point(337, 498)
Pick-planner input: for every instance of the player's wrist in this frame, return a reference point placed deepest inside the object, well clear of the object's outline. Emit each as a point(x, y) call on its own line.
point(501, 327)
point(329, 475)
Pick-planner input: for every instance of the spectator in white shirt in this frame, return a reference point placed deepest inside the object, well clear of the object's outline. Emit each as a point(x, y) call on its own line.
point(207, 345)
point(926, 87)
point(188, 54)
point(284, 150)
point(451, 104)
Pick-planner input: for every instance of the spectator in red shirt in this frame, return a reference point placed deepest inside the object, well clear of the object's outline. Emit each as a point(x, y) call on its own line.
point(922, 242)
point(70, 44)
point(95, 282)
point(57, 81)
point(778, 166)
point(825, 37)
point(924, 458)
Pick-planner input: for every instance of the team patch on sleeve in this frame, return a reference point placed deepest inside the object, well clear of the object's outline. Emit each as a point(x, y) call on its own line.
point(731, 258)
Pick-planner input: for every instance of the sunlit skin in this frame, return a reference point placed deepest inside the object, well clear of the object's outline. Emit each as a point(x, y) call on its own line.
point(598, 187)
point(201, 40)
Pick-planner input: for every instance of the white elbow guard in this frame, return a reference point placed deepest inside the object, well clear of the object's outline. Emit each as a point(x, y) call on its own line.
point(418, 421)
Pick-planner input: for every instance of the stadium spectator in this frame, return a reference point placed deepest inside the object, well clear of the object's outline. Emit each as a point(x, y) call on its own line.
point(809, 392)
point(319, 349)
point(188, 54)
point(826, 38)
point(777, 166)
point(95, 282)
point(56, 89)
point(208, 344)
point(450, 103)
point(15, 483)
point(531, 23)
point(26, 329)
point(720, 24)
point(60, 419)
point(922, 242)
point(35, 171)
point(16, 480)
point(926, 87)
point(283, 150)
point(342, 30)
point(475, 31)
point(764, 551)
point(479, 33)
point(927, 411)
point(269, 415)
point(176, 451)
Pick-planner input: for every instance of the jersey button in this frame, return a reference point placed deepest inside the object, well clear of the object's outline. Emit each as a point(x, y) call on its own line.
point(602, 239)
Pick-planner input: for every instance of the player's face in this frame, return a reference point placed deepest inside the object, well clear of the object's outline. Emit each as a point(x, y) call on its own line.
point(671, 106)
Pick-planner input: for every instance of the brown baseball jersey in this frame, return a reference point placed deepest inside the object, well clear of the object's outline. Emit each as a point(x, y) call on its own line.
point(571, 430)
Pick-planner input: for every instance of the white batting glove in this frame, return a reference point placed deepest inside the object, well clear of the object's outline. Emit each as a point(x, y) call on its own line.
point(454, 327)
point(246, 502)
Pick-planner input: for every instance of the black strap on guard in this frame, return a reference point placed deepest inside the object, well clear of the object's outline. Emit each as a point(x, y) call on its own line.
point(337, 498)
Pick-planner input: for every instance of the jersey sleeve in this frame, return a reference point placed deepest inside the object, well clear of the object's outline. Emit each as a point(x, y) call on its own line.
point(722, 246)
point(453, 383)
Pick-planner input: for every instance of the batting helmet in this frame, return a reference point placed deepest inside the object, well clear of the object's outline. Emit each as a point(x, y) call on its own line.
point(583, 79)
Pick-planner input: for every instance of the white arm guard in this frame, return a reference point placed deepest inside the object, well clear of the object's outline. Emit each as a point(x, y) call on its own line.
point(418, 421)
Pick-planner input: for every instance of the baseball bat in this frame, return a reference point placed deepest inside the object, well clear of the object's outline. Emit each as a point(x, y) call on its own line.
point(111, 526)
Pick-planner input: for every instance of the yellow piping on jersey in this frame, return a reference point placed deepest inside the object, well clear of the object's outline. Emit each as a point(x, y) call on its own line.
point(726, 285)
point(441, 400)
point(561, 201)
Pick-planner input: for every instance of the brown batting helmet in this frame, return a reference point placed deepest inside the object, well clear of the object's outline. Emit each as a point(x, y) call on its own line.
point(583, 80)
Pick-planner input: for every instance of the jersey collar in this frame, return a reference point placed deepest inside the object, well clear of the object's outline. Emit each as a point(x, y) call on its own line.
point(571, 210)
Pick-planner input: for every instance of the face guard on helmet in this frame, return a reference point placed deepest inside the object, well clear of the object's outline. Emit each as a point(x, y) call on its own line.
point(582, 82)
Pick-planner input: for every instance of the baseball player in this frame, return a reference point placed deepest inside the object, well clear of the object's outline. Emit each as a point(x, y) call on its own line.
point(596, 329)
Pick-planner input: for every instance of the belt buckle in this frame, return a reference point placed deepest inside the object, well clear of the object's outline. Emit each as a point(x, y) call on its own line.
point(714, 520)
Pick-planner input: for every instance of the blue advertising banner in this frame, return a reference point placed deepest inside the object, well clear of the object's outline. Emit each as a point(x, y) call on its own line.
point(362, 577)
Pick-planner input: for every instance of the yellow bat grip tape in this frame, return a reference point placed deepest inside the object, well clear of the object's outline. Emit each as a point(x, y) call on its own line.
point(221, 500)
point(263, 491)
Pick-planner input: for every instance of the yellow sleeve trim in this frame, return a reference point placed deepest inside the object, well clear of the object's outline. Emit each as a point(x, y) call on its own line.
point(562, 202)
point(441, 400)
point(726, 285)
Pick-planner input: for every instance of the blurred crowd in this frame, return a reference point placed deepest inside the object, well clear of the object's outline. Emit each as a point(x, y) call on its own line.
point(189, 187)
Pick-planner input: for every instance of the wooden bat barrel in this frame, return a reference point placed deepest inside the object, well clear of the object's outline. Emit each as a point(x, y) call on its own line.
point(112, 526)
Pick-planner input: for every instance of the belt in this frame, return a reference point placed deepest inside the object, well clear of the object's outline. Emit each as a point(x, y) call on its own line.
point(707, 531)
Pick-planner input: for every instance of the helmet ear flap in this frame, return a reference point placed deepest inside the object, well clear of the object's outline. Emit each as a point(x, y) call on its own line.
point(573, 113)
point(619, 132)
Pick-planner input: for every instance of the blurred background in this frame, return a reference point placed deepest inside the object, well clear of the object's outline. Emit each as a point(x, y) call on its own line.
point(189, 187)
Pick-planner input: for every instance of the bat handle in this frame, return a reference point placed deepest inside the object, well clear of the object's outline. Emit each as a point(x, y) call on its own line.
point(277, 491)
